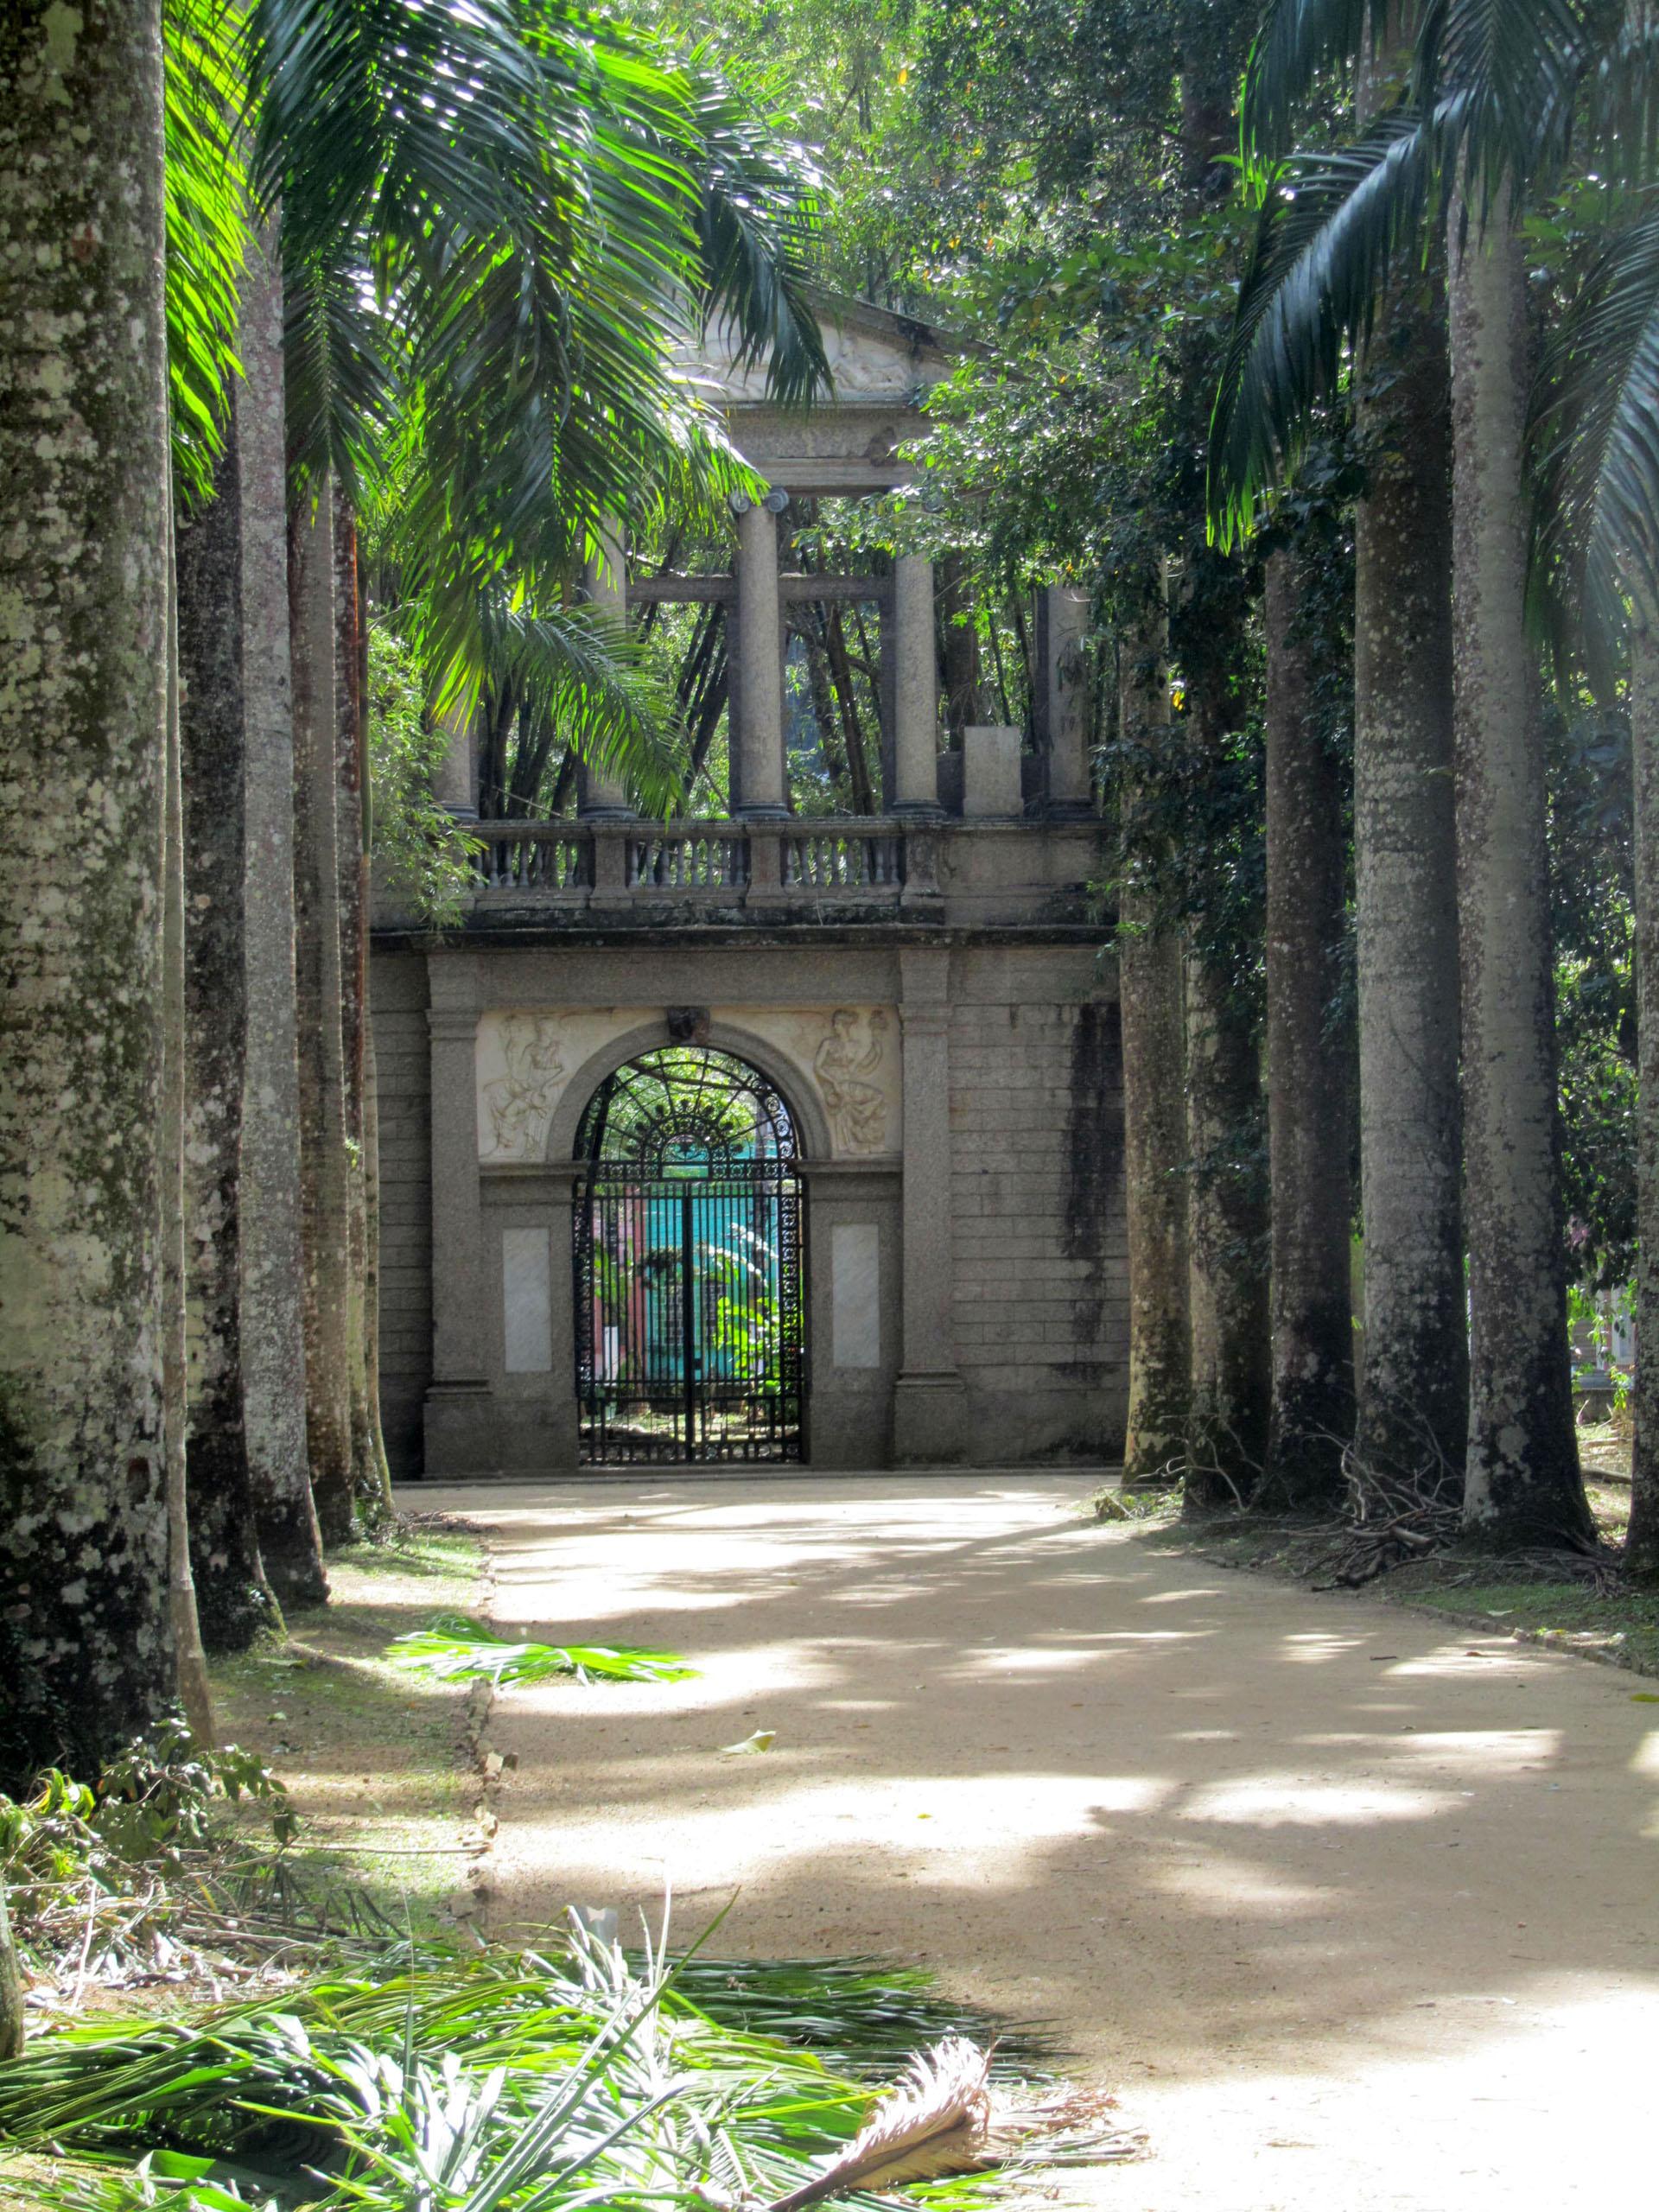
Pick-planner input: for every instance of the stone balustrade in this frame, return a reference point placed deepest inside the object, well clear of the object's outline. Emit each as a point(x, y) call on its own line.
point(798, 869)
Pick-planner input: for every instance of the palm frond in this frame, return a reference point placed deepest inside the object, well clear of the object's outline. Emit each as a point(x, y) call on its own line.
point(757, 227)
point(1504, 78)
point(1298, 42)
point(456, 1649)
point(1334, 227)
point(206, 221)
point(1595, 435)
point(342, 374)
point(554, 2079)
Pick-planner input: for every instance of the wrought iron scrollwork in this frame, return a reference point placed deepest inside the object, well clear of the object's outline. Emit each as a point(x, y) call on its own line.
point(690, 1234)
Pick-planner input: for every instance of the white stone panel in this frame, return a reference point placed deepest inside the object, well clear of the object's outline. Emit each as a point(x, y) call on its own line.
point(855, 1293)
point(527, 1300)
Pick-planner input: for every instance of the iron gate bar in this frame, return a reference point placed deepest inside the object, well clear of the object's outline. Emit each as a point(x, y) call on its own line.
point(689, 1303)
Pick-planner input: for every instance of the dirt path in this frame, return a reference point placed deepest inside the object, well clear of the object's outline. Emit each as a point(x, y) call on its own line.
point(1358, 1911)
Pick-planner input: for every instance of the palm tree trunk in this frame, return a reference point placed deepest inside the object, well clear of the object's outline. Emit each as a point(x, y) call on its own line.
point(1522, 1484)
point(11, 1988)
point(272, 1255)
point(372, 1262)
point(322, 1086)
point(190, 1664)
point(1227, 1417)
point(1413, 1379)
point(1642, 1543)
point(351, 855)
point(1154, 1132)
point(1412, 1408)
point(1312, 1415)
point(85, 1643)
point(233, 1599)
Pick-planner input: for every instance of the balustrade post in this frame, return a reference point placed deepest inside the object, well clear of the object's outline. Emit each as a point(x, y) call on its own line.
point(765, 865)
point(915, 688)
point(758, 734)
point(921, 893)
point(605, 585)
point(611, 885)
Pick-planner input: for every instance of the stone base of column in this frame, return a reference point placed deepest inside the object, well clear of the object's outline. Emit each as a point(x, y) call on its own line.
point(459, 1422)
point(928, 1419)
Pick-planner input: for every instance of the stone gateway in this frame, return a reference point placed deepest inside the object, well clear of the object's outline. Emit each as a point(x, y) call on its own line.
point(891, 1231)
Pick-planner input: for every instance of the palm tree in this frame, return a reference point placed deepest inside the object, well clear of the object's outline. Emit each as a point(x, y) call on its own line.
point(1495, 94)
point(85, 1637)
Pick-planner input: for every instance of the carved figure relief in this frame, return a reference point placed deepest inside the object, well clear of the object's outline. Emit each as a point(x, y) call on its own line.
point(844, 1063)
point(520, 1103)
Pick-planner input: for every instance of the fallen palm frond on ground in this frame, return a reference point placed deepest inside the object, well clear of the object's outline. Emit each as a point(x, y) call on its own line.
point(456, 1649)
point(515, 2083)
point(864, 2016)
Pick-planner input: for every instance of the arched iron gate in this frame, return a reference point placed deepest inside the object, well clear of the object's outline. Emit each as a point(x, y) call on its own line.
point(689, 1256)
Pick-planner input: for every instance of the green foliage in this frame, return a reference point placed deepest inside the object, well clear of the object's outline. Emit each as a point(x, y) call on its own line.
point(206, 216)
point(455, 1649)
point(422, 858)
point(1537, 99)
point(162, 1796)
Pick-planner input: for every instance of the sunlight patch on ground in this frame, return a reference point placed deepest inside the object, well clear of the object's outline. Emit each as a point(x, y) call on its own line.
point(1308, 1801)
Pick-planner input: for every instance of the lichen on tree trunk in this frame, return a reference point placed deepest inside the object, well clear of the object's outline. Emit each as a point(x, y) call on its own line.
point(324, 1194)
point(1227, 1418)
point(86, 1646)
point(12, 1986)
point(369, 1486)
point(1413, 1378)
point(1154, 1133)
point(273, 1294)
point(1521, 1483)
point(233, 1599)
point(1312, 1325)
point(1642, 1543)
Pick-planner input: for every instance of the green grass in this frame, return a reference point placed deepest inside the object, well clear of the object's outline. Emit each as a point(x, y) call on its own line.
point(378, 1762)
point(1569, 1616)
point(1620, 1626)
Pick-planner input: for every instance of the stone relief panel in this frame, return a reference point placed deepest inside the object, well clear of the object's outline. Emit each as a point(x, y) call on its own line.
point(848, 1055)
point(526, 1057)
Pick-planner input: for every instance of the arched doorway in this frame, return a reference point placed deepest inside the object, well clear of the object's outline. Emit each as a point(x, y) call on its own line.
point(690, 1228)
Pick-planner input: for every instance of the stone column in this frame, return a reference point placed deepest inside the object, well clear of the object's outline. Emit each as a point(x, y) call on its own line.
point(459, 1434)
point(929, 1404)
point(762, 776)
point(1066, 678)
point(455, 779)
point(605, 584)
point(915, 688)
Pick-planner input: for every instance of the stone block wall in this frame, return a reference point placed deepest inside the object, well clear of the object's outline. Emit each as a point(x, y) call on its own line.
point(403, 1072)
point(1033, 1259)
point(1042, 1304)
